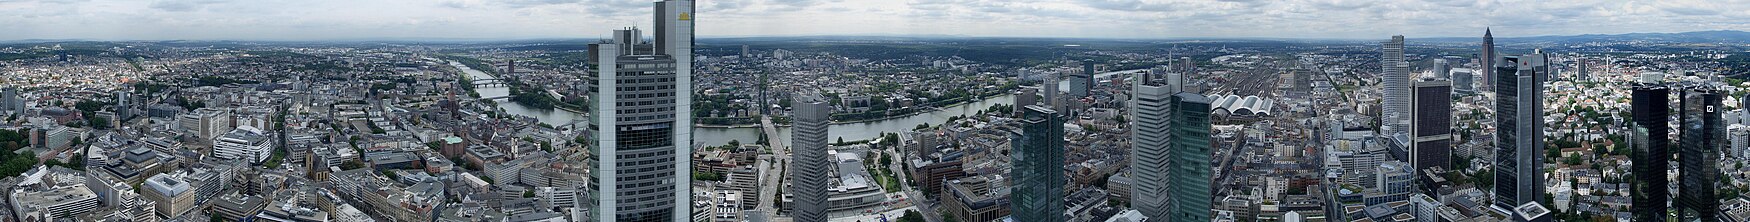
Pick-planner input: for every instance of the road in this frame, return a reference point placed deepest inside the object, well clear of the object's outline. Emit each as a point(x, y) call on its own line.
point(771, 168)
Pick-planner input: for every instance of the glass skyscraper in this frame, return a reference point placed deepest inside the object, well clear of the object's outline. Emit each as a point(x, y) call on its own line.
point(1189, 172)
point(1650, 136)
point(1037, 192)
point(1703, 135)
point(1518, 135)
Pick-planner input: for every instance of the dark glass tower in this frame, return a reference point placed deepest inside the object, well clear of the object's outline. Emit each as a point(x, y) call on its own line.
point(1191, 157)
point(1518, 135)
point(1650, 135)
point(1703, 137)
point(1037, 192)
point(1431, 127)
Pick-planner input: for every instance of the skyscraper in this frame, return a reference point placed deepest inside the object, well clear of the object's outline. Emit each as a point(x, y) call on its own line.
point(1080, 84)
point(1442, 68)
point(1050, 87)
point(1518, 135)
point(1650, 136)
point(1489, 60)
point(1431, 131)
point(1037, 191)
point(808, 175)
point(641, 106)
point(9, 100)
point(1395, 110)
point(123, 107)
point(1703, 134)
point(1150, 150)
point(1189, 140)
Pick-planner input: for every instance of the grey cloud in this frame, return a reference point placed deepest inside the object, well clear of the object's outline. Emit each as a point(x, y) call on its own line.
point(182, 5)
point(530, 3)
point(1128, 5)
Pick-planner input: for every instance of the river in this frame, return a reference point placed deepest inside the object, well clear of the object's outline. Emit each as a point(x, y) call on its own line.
point(747, 135)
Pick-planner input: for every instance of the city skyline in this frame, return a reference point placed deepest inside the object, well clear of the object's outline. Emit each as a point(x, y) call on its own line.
point(416, 113)
point(1141, 19)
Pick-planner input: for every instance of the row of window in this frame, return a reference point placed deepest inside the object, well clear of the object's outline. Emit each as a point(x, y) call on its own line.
point(645, 95)
point(644, 88)
point(644, 80)
point(645, 103)
point(649, 117)
point(644, 66)
point(645, 110)
point(643, 155)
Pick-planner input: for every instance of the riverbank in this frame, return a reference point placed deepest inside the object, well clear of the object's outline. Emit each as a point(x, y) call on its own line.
point(908, 115)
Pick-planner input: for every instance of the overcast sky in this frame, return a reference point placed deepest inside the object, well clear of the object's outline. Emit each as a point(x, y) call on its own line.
point(522, 19)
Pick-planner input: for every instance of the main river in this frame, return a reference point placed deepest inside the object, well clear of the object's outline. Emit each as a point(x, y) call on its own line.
point(719, 136)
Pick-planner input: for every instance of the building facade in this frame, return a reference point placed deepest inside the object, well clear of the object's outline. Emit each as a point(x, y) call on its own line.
point(641, 131)
point(809, 179)
point(1395, 74)
point(1702, 132)
point(1650, 135)
point(1518, 136)
point(1150, 150)
point(1037, 193)
point(1192, 151)
point(1431, 130)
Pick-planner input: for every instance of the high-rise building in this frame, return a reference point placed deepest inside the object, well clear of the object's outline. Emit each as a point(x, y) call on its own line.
point(808, 175)
point(1395, 108)
point(640, 129)
point(1150, 108)
point(1037, 192)
point(1081, 83)
point(1431, 141)
point(1518, 135)
point(1489, 60)
point(1541, 63)
point(1050, 87)
point(1650, 135)
point(1191, 150)
point(1581, 73)
point(1703, 134)
point(123, 105)
point(9, 100)
point(1442, 68)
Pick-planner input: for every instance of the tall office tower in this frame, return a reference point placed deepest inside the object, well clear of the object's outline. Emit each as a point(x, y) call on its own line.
point(1582, 74)
point(1650, 135)
point(1026, 96)
point(641, 106)
point(1081, 83)
point(808, 174)
point(1431, 144)
point(1541, 62)
point(1703, 134)
point(1489, 60)
point(1442, 68)
point(1189, 141)
point(123, 107)
point(1037, 191)
point(1050, 87)
point(1150, 151)
point(1518, 135)
point(8, 99)
point(1395, 109)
